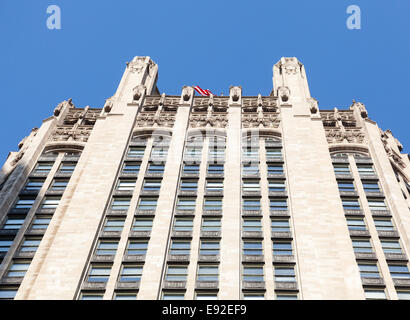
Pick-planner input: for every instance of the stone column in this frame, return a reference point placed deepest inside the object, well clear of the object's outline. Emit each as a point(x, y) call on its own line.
point(326, 261)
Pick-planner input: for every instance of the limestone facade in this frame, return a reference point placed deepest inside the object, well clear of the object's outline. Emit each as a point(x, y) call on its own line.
point(222, 197)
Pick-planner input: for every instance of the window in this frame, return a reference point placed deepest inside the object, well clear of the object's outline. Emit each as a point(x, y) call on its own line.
point(391, 246)
point(59, 184)
point(371, 186)
point(368, 270)
point(383, 224)
point(207, 273)
point(180, 247)
point(130, 273)
point(176, 273)
point(99, 273)
point(250, 169)
point(173, 296)
point(194, 152)
point(346, 186)
point(159, 151)
point(403, 294)
point(214, 185)
point(280, 225)
point(286, 296)
point(251, 151)
point(274, 168)
point(125, 296)
point(119, 203)
point(276, 185)
point(113, 225)
point(278, 204)
point(206, 296)
point(7, 293)
point(375, 294)
point(285, 274)
point(67, 167)
point(126, 184)
point(250, 224)
point(251, 186)
point(155, 168)
point(216, 152)
point(183, 224)
point(341, 168)
point(251, 204)
point(91, 296)
point(252, 273)
point(33, 185)
point(30, 245)
point(5, 245)
point(211, 224)
point(351, 203)
point(43, 167)
point(50, 203)
point(24, 203)
point(282, 248)
point(377, 204)
point(106, 247)
point(152, 185)
point(189, 185)
point(213, 204)
point(273, 153)
point(399, 271)
point(186, 203)
point(135, 152)
point(147, 203)
point(191, 168)
point(131, 167)
point(136, 247)
point(18, 269)
point(253, 296)
point(362, 246)
point(13, 224)
point(215, 168)
point(41, 222)
point(365, 169)
point(356, 224)
point(209, 248)
point(253, 248)
point(142, 224)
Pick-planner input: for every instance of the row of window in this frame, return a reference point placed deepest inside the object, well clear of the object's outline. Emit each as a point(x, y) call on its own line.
point(363, 245)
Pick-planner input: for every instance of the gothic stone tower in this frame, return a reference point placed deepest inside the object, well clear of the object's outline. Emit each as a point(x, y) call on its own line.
point(189, 197)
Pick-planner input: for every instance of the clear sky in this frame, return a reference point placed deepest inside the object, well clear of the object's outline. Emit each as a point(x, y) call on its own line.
point(214, 44)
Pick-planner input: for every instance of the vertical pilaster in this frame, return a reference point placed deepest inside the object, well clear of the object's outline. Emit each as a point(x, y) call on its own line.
point(326, 261)
point(231, 240)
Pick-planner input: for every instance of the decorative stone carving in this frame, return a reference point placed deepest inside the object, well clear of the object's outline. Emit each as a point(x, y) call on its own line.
point(138, 92)
point(186, 93)
point(108, 104)
point(60, 106)
point(361, 107)
point(291, 66)
point(137, 65)
point(284, 93)
point(235, 93)
point(313, 105)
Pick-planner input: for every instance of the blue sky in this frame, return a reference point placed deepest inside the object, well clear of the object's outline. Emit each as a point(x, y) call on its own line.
point(214, 44)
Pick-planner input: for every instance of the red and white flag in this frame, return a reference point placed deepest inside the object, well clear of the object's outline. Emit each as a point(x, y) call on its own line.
point(203, 92)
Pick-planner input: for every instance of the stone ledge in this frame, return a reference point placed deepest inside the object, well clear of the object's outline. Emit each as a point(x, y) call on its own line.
point(174, 284)
point(252, 234)
point(205, 285)
point(372, 281)
point(286, 285)
point(208, 258)
point(287, 259)
point(253, 259)
point(253, 285)
point(401, 283)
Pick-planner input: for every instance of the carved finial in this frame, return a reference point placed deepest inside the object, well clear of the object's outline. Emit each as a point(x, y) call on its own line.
point(259, 100)
point(162, 100)
point(138, 91)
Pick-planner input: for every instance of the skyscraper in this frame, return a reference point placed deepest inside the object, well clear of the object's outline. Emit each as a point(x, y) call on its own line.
point(206, 197)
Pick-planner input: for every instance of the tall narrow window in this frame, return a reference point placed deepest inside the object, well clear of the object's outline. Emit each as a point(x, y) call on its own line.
point(285, 274)
point(99, 273)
